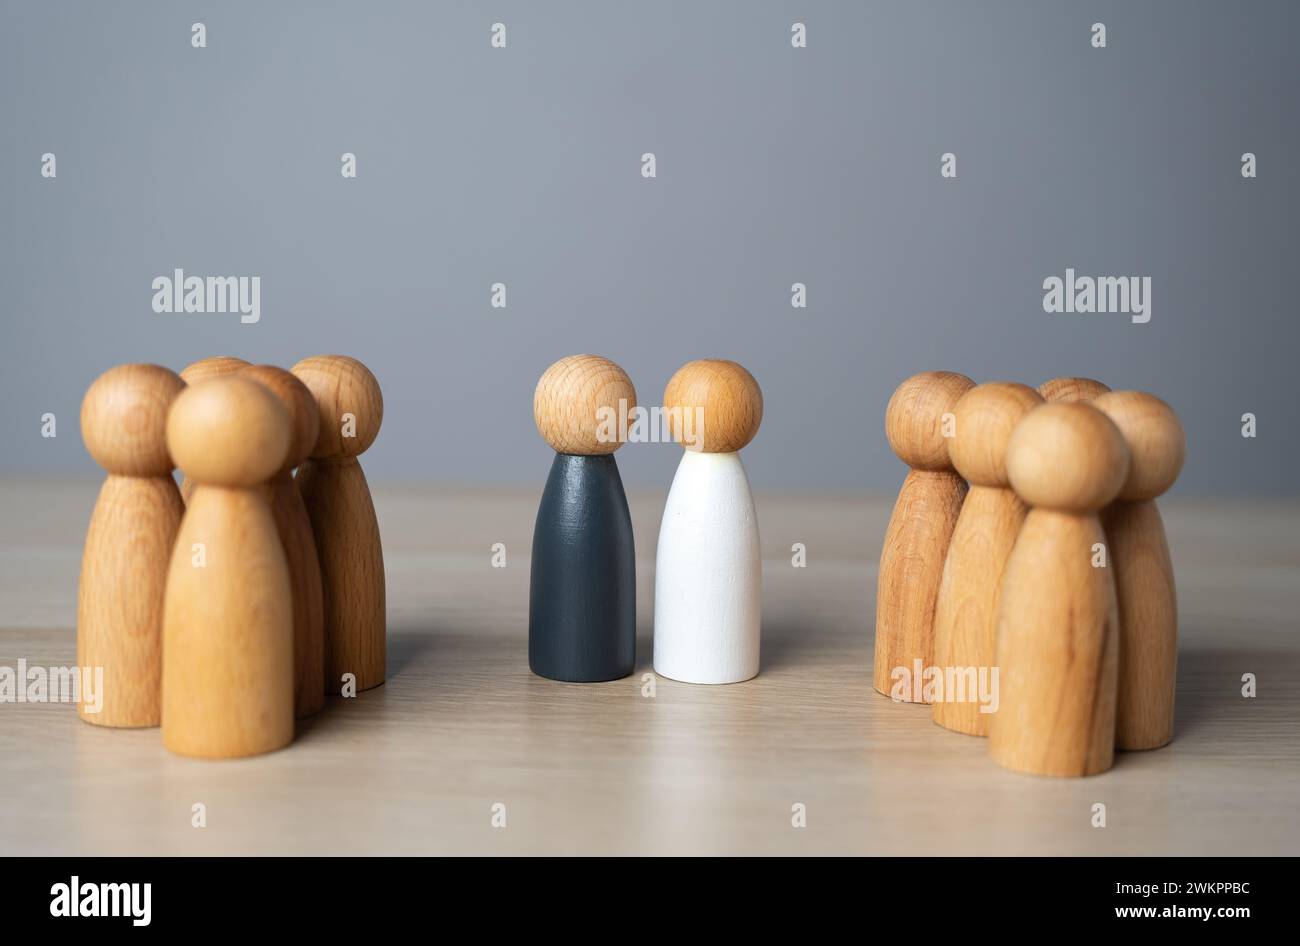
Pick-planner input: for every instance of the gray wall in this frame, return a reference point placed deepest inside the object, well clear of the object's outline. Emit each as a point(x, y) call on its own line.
point(775, 165)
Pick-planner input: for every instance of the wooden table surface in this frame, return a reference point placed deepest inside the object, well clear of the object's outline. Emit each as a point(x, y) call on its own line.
point(416, 766)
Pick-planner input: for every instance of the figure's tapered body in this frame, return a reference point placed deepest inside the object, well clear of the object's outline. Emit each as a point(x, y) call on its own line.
point(1057, 650)
point(708, 574)
point(582, 592)
point(352, 569)
point(228, 671)
point(911, 569)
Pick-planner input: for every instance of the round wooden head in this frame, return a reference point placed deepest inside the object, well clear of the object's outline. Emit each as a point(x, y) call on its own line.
point(1155, 440)
point(578, 402)
point(1071, 389)
point(983, 420)
point(1067, 456)
point(713, 406)
point(228, 431)
point(304, 415)
point(349, 400)
point(124, 419)
point(914, 419)
point(215, 367)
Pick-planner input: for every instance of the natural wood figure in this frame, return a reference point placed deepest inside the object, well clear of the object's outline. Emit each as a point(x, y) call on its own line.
point(218, 366)
point(1071, 389)
point(1057, 639)
point(966, 617)
point(343, 521)
point(228, 620)
point(917, 418)
point(128, 543)
point(294, 527)
point(708, 567)
point(1144, 574)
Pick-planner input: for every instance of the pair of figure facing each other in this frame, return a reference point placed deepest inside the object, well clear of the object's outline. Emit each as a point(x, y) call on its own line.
point(708, 573)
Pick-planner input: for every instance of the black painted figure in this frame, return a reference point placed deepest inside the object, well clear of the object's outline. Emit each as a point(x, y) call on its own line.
point(582, 594)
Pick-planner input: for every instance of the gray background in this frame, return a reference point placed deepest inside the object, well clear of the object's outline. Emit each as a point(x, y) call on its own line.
point(775, 165)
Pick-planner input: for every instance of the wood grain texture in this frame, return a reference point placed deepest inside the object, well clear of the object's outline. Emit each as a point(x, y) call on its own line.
point(966, 612)
point(217, 366)
point(1057, 651)
point(351, 559)
point(568, 401)
point(1071, 389)
point(120, 603)
point(228, 630)
point(333, 487)
point(723, 395)
point(1058, 626)
point(128, 542)
point(293, 525)
point(414, 767)
point(911, 570)
point(1148, 622)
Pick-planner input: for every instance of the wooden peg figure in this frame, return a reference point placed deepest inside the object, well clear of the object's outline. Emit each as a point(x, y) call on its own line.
point(918, 424)
point(228, 620)
point(342, 514)
point(582, 586)
point(1144, 573)
point(708, 568)
point(218, 366)
point(1071, 389)
point(1057, 639)
point(129, 542)
point(294, 527)
point(966, 616)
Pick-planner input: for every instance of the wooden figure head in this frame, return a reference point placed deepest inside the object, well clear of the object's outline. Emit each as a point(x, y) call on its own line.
point(1155, 440)
point(725, 399)
point(304, 416)
point(124, 419)
point(228, 431)
point(1071, 389)
point(350, 403)
point(215, 367)
point(1067, 456)
point(983, 419)
point(915, 418)
point(574, 400)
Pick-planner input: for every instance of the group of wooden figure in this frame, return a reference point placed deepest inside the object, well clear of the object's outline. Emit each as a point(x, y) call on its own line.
point(224, 609)
point(1026, 539)
point(708, 569)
